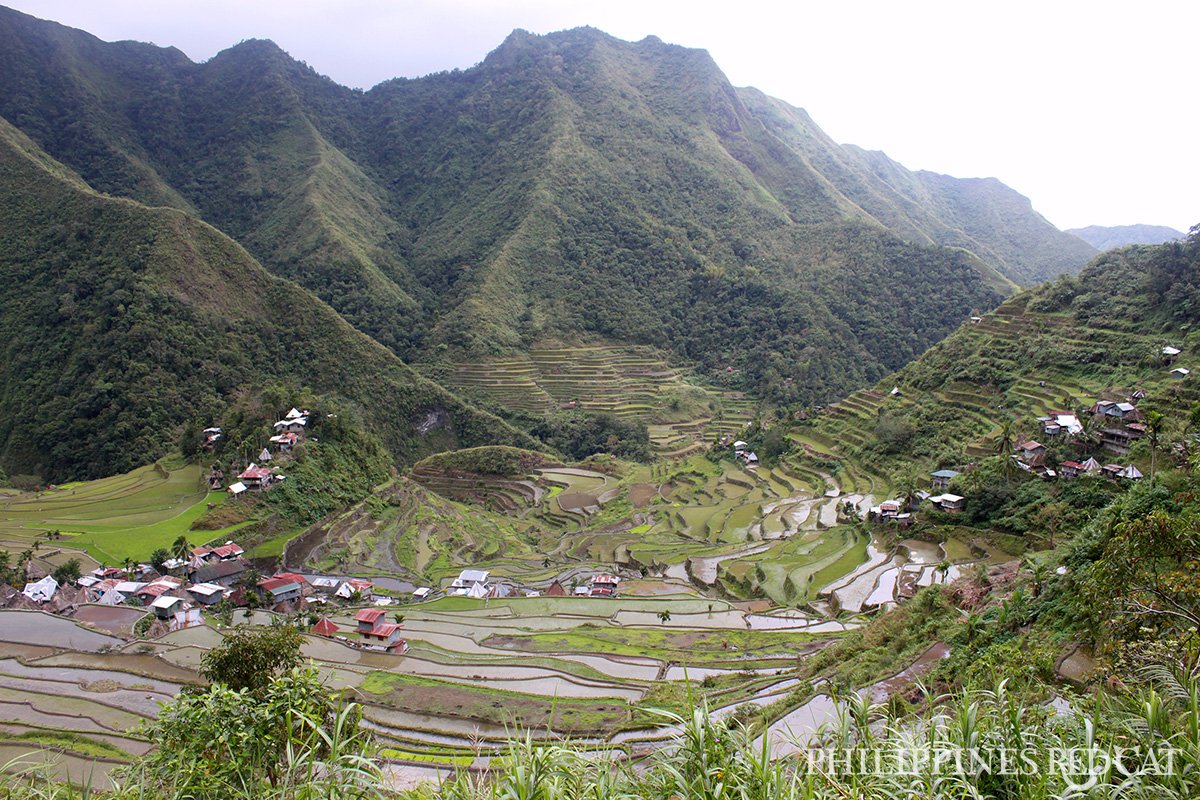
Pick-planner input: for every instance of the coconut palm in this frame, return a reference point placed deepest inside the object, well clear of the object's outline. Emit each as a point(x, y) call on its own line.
point(1154, 426)
point(181, 548)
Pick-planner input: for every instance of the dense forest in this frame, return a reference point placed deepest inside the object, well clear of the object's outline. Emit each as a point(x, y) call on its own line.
point(570, 187)
point(124, 325)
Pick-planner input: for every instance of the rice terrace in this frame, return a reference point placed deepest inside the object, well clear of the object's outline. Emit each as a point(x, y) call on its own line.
point(728, 577)
point(562, 421)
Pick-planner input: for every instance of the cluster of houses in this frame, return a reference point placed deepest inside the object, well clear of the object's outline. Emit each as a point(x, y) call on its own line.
point(211, 574)
point(258, 477)
point(477, 583)
point(741, 450)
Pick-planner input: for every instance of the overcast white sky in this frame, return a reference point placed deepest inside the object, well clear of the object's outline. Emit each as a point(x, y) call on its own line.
point(1086, 107)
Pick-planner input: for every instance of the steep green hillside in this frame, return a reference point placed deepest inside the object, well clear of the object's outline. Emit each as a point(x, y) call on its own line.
point(983, 216)
point(1104, 237)
point(1098, 335)
point(122, 323)
point(572, 187)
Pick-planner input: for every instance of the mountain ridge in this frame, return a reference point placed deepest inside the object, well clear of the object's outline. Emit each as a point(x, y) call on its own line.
point(1106, 237)
point(570, 187)
point(122, 322)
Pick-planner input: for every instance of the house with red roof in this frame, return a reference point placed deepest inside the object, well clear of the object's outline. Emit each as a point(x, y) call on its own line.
point(386, 635)
point(257, 478)
point(278, 590)
point(325, 627)
point(368, 617)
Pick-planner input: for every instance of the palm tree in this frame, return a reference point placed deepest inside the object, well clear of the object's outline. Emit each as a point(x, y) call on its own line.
point(398, 617)
point(1004, 447)
point(1154, 425)
point(664, 616)
point(1088, 437)
point(181, 547)
point(906, 485)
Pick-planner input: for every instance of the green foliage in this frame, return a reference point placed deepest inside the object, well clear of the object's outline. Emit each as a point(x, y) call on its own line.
point(284, 740)
point(509, 462)
point(144, 321)
point(253, 659)
point(68, 572)
point(580, 435)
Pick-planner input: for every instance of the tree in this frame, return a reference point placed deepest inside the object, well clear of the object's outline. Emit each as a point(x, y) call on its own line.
point(252, 659)
point(249, 579)
point(1089, 436)
point(181, 547)
point(398, 618)
point(664, 616)
point(1004, 448)
point(1146, 577)
point(159, 559)
point(973, 625)
point(68, 572)
point(275, 742)
point(1154, 426)
point(906, 484)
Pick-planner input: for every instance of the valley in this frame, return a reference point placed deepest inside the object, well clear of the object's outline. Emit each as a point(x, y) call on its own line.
point(573, 425)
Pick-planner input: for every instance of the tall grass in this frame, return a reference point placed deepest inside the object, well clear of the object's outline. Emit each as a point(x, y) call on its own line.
point(968, 745)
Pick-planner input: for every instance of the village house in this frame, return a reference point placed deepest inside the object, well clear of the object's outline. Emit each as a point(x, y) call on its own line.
point(368, 617)
point(468, 579)
point(1031, 453)
point(257, 478)
point(325, 584)
point(207, 594)
point(749, 457)
point(325, 627)
point(604, 586)
point(1059, 422)
point(386, 636)
point(1119, 440)
point(941, 479)
point(284, 441)
point(1170, 352)
point(128, 589)
point(556, 590)
point(1179, 373)
point(236, 489)
point(1070, 469)
point(885, 511)
point(211, 436)
point(274, 591)
point(365, 589)
point(42, 591)
point(950, 503)
point(1118, 472)
point(296, 426)
point(166, 605)
point(222, 573)
point(1125, 412)
point(225, 552)
point(422, 592)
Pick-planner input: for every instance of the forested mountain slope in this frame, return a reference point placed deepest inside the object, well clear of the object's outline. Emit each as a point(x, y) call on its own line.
point(1061, 347)
point(571, 187)
point(981, 215)
point(120, 323)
